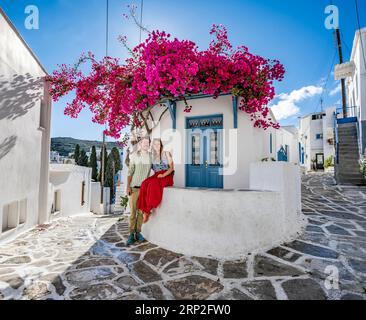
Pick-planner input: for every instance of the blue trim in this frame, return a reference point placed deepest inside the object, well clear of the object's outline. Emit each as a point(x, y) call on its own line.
point(347, 120)
point(202, 117)
point(172, 106)
point(202, 176)
point(235, 111)
point(200, 96)
point(270, 143)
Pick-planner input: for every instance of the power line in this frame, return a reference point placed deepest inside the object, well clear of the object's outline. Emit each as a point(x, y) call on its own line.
point(141, 14)
point(107, 29)
point(345, 44)
point(321, 100)
point(359, 30)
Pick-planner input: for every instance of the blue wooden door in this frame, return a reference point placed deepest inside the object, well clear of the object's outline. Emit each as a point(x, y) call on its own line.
point(204, 150)
point(282, 155)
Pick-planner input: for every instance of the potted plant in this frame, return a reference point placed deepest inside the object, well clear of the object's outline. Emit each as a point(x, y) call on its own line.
point(124, 202)
point(329, 163)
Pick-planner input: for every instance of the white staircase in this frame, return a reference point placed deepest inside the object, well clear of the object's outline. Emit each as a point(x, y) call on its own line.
point(120, 192)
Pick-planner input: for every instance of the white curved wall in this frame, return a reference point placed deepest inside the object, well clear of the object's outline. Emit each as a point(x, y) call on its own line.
point(231, 223)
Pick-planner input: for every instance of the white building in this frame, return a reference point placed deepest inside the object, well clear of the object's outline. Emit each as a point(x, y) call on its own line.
point(55, 157)
point(214, 145)
point(356, 87)
point(69, 190)
point(25, 112)
point(316, 136)
point(226, 201)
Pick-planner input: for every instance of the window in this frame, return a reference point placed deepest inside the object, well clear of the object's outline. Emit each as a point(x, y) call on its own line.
point(196, 149)
point(43, 115)
point(10, 216)
point(319, 136)
point(83, 193)
point(317, 116)
point(214, 148)
point(23, 211)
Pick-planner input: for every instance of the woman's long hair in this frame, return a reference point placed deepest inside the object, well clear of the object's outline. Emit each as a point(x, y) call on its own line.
point(161, 148)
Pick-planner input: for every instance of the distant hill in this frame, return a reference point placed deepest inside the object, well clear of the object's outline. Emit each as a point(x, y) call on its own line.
point(66, 145)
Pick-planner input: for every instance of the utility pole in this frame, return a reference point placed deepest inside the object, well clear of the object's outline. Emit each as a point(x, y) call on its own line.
point(102, 171)
point(343, 81)
point(103, 145)
point(113, 173)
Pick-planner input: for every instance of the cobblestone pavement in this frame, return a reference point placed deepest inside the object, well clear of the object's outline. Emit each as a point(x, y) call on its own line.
point(85, 257)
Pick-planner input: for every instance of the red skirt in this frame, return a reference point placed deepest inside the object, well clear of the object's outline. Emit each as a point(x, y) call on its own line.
point(151, 191)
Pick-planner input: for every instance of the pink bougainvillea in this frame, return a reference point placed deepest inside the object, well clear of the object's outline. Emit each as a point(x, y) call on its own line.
point(163, 67)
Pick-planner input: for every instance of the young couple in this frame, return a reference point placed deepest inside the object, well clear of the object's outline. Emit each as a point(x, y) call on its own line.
point(145, 192)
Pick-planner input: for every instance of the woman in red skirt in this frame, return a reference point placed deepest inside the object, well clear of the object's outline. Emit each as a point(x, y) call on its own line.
point(151, 191)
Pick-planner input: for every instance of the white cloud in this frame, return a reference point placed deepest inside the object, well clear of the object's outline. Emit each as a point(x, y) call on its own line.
point(336, 90)
point(287, 105)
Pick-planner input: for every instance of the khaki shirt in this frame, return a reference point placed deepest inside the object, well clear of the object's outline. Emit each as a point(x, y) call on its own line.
point(140, 168)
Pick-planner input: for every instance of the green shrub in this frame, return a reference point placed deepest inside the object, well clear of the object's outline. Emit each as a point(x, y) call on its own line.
point(329, 162)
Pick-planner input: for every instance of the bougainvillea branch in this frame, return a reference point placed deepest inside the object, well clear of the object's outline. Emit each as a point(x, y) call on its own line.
point(163, 68)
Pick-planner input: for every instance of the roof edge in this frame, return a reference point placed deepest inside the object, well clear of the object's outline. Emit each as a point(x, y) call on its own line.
point(7, 19)
point(356, 40)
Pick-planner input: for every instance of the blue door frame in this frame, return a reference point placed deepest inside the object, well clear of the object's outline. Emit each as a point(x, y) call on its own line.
point(204, 137)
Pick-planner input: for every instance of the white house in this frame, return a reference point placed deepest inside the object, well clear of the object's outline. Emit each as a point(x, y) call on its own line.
point(214, 144)
point(25, 112)
point(69, 190)
point(226, 200)
point(55, 157)
point(316, 136)
point(356, 87)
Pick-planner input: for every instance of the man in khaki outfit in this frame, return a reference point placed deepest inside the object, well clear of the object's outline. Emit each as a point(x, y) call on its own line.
point(139, 170)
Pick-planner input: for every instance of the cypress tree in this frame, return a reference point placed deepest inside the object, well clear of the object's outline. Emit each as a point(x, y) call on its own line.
point(77, 154)
point(93, 164)
point(117, 159)
point(109, 178)
point(83, 159)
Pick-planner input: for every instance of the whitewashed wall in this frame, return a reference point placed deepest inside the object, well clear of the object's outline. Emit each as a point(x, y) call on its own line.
point(25, 111)
point(356, 87)
point(308, 129)
point(230, 224)
point(68, 179)
point(242, 146)
point(328, 133)
point(95, 201)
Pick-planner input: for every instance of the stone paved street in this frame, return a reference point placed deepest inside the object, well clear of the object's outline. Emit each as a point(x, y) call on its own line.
point(85, 257)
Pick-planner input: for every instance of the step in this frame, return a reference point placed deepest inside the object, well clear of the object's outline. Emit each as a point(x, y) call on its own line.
point(348, 143)
point(344, 164)
point(347, 125)
point(348, 148)
point(351, 182)
point(347, 132)
point(346, 156)
point(342, 175)
point(347, 136)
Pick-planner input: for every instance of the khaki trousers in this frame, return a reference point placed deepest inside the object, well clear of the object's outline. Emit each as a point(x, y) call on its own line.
point(136, 217)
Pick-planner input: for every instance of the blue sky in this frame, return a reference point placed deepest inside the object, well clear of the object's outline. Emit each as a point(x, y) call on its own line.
point(288, 30)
